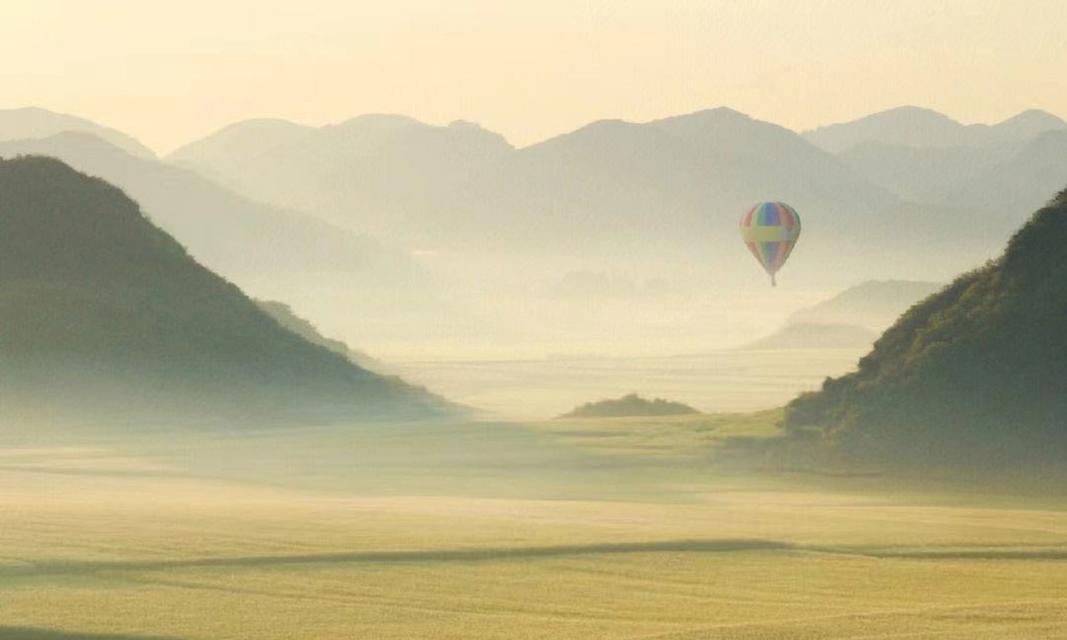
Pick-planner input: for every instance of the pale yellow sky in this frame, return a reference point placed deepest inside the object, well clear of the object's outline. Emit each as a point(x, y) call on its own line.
point(169, 72)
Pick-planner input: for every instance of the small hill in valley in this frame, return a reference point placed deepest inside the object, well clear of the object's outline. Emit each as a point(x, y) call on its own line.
point(102, 310)
point(851, 319)
point(874, 304)
point(813, 335)
point(975, 374)
point(631, 405)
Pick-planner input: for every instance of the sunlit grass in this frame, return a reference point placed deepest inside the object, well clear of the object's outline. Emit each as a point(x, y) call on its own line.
point(684, 436)
point(563, 529)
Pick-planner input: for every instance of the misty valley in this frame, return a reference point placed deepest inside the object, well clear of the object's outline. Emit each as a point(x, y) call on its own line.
point(685, 377)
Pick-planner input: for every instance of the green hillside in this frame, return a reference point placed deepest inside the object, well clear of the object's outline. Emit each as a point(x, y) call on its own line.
point(976, 374)
point(99, 306)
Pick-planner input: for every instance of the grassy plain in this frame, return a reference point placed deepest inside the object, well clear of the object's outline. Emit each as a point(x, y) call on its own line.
point(561, 529)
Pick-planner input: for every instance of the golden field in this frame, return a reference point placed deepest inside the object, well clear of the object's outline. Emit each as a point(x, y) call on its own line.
point(565, 529)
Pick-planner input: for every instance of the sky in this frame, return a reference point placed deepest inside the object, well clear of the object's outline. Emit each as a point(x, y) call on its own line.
point(171, 72)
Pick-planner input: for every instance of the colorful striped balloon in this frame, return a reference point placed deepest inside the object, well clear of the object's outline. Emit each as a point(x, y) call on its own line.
point(770, 231)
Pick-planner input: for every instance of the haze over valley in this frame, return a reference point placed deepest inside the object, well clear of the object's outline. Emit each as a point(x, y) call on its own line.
point(420, 242)
point(554, 321)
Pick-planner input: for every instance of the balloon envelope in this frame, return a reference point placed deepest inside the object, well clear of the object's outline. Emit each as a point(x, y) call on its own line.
point(770, 231)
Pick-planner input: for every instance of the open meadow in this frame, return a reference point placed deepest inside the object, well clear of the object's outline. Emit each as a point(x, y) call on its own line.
point(562, 529)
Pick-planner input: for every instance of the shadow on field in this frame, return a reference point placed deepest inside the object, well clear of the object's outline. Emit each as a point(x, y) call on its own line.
point(90, 472)
point(507, 553)
point(37, 633)
point(442, 555)
point(962, 553)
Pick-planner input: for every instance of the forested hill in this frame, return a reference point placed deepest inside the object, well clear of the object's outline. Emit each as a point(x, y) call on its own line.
point(97, 305)
point(974, 374)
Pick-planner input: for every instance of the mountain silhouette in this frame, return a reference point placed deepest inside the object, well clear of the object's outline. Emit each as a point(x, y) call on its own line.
point(651, 196)
point(370, 173)
point(925, 174)
point(33, 122)
point(640, 185)
point(224, 153)
point(101, 309)
point(257, 245)
point(1017, 182)
point(998, 181)
point(975, 374)
point(919, 127)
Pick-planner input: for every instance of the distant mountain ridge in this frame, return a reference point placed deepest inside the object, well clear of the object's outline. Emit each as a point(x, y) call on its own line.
point(100, 307)
point(34, 122)
point(614, 192)
point(874, 304)
point(380, 166)
point(450, 187)
point(246, 241)
point(615, 188)
point(1021, 180)
point(226, 151)
point(924, 128)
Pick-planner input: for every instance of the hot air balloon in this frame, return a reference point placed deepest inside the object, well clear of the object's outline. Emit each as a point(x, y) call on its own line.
point(770, 231)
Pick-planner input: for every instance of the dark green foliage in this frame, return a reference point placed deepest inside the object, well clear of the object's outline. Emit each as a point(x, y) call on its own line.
point(631, 405)
point(94, 296)
point(974, 374)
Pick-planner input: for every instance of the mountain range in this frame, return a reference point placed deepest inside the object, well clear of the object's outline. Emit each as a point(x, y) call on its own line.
point(381, 227)
point(925, 157)
point(921, 128)
point(34, 122)
point(369, 173)
point(269, 250)
point(608, 182)
point(898, 184)
point(907, 179)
